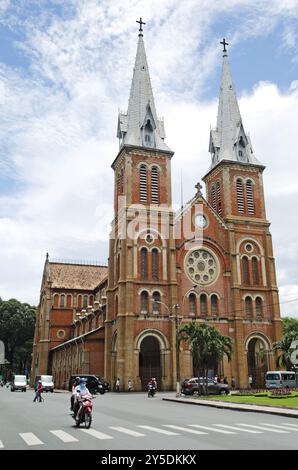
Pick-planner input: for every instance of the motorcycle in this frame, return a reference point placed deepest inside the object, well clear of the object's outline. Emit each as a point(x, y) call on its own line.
point(151, 390)
point(84, 414)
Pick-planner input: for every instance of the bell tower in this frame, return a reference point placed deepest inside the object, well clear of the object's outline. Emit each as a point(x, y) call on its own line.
point(142, 275)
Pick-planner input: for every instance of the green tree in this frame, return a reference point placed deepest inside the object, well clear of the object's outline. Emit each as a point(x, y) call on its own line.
point(17, 323)
point(208, 347)
point(283, 346)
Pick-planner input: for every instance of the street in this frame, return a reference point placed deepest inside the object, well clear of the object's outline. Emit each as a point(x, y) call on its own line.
point(131, 421)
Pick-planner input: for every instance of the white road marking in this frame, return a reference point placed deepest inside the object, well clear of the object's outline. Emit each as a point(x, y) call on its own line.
point(180, 428)
point(97, 434)
point(223, 431)
point(161, 431)
point(288, 428)
point(127, 431)
point(238, 429)
point(263, 428)
point(295, 426)
point(30, 439)
point(64, 436)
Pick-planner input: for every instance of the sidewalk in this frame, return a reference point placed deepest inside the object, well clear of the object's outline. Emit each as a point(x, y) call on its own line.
point(281, 411)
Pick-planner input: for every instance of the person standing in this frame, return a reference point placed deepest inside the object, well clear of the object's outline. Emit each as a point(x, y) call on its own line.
point(118, 385)
point(250, 381)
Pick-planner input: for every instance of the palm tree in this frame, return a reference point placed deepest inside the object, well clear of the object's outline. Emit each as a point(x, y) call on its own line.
point(283, 347)
point(208, 346)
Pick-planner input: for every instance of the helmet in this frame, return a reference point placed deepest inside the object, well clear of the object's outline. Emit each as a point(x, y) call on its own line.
point(39, 381)
point(83, 380)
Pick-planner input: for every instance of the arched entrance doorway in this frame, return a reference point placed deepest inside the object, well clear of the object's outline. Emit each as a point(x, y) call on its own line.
point(149, 361)
point(257, 361)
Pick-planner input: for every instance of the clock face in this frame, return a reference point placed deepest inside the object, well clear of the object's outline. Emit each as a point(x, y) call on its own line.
point(200, 220)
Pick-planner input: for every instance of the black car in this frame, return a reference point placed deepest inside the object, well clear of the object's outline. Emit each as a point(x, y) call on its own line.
point(94, 384)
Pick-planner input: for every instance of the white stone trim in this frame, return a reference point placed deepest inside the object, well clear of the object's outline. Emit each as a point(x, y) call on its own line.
point(258, 335)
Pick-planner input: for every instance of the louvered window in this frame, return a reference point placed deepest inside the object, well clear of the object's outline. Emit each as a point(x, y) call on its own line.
point(155, 264)
point(154, 185)
point(218, 195)
point(214, 305)
point(203, 304)
point(62, 300)
point(144, 263)
point(245, 271)
point(250, 198)
point(240, 200)
point(248, 307)
point(259, 307)
point(143, 183)
point(255, 271)
point(192, 304)
point(85, 301)
point(213, 197)
point(144, 302)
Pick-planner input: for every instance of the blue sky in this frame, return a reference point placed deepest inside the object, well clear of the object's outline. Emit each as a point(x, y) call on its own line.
point(66, 69)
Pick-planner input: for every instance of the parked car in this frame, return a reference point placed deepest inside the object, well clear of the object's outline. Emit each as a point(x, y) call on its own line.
point(191, 386)
point(19, 382)
point(94, 384)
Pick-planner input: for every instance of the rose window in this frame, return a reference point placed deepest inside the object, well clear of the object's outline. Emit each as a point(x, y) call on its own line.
point(201, 267)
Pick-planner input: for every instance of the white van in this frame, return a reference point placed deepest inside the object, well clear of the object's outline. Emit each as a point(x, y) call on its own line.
point(46, 382)
point(280, 379)
point(19, 382)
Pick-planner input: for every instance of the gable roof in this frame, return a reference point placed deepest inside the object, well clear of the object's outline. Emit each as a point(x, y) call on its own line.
point(76, 276)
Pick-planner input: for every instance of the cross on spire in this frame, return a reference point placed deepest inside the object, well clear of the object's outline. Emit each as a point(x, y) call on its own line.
point(199, 187)
point(141, 26)
point(224, 43)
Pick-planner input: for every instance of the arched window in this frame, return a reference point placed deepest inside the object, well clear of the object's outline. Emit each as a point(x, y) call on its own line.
point(218, 196)
point(203, 304)
point(248, 307)
point(144, 302)
point(192, 304)
point(214, 304)
point(79, 301)
point(68, 301)
point(240, 199)
point(118, 267)
point(62, 300)
point(213, 197)
point(156, 303)
point(91, 300)
point(259, 307)
point(155, 264)
point(154, 185)
point(143, 183)
point(85, 301)
point(144, 263)
point(255, 271)
point(56, 300)
point(245, 271)
point(250, 198)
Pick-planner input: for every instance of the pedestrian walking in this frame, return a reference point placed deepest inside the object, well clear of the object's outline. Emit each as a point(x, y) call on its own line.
point(129, 385)
point(250, 381)
point(38, 393)
point(118, 385)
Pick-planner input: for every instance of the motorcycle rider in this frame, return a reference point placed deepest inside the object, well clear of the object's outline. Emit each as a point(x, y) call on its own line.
point(81, 391)
point(151, 386)
point(73, 392)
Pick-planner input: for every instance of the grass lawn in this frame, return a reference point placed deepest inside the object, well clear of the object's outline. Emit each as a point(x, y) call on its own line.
point(287, 402)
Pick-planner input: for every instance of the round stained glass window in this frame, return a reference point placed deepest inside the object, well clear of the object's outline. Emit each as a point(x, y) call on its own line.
point(201, 266)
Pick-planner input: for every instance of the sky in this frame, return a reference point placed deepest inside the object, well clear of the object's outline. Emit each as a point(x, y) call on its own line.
point(65, 71)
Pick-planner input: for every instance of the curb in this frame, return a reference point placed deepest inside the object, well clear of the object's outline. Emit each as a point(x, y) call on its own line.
point(235, 407)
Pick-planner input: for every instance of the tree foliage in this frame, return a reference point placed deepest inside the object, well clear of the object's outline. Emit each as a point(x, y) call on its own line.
point(283, 347)
point(17, 323)
point(208, 347)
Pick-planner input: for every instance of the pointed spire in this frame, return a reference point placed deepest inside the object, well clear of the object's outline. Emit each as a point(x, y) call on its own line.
point(229, 140)
point(140, 126)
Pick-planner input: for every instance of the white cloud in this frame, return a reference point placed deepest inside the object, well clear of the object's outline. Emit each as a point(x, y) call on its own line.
point(58, 123)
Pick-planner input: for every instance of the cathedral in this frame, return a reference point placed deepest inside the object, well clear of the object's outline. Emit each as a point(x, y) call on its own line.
point(211, 262)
